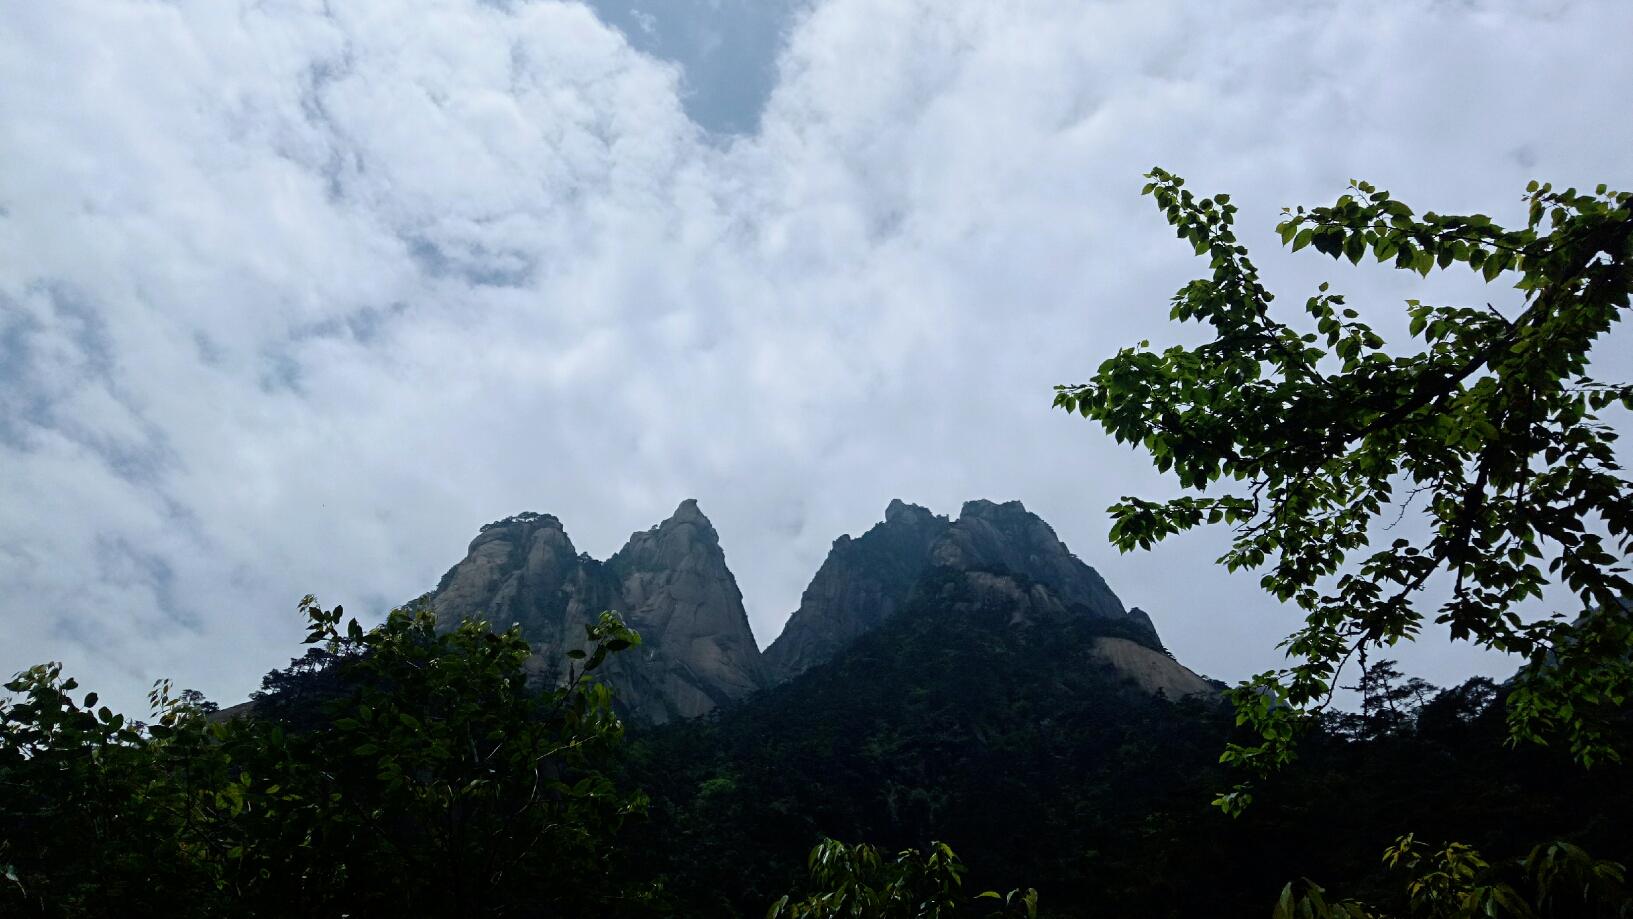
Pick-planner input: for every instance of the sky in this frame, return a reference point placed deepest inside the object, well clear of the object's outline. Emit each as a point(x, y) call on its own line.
point(295, 295)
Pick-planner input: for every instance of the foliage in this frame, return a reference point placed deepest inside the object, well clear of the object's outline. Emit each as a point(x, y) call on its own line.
point(437, 783)
point(859, 882)
point(951, 721)
point(97, 812)
point(1492, 421)
point(1455, 882)
point(448, 786)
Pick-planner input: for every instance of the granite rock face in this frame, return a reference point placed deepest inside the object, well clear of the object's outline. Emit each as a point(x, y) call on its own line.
point(860, 584)
point(1156, 674)
point(669, 583)
point(1009, 536)
point(523, 570)
point(864, 580)
point(698, 652)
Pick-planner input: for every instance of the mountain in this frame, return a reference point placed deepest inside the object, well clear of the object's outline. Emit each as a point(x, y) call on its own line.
point(672, 585)
point(985, 711)
point(972, 682)
point(865, 580)
point(669, 583)
point(860, 584)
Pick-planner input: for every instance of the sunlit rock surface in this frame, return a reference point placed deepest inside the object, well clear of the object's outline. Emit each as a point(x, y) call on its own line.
point(1152, 671)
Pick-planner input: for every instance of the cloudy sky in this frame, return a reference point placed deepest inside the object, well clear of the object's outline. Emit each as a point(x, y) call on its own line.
point(297, 294)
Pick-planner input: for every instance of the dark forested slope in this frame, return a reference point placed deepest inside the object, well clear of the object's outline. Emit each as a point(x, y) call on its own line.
point(998, 725)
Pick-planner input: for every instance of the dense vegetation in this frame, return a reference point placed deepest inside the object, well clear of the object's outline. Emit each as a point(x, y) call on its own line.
point(402, 772)
point(1041, 769)
point(419, 775)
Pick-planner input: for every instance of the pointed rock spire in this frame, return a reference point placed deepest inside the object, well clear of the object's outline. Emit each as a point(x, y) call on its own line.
point(676, 590)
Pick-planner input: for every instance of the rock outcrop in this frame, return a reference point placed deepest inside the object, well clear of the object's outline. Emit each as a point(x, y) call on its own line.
point(864, 580)
point(1028, 607)
point(523, 570)
point(698, 652)
point(989, 535)
point(669, 583)
point(1154, 672)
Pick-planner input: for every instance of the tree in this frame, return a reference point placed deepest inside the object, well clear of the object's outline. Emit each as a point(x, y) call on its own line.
point(1387, 704)
point(1327, 437)
point(440, 783)
point(97, 814)
point(435, 782)
point(1456, 882)
point(859, 882)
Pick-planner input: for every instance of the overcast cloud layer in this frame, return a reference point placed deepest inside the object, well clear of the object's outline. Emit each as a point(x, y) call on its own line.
point(296, 295)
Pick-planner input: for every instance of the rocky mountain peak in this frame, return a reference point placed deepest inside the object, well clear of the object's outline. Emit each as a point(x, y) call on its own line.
point(678, 593)
point(1009, 536)
point(669, 583)
point(510, 568)
point(688, 512)
point(900, 513)
point(859, 585)
point(687, 535)
point(864, 580)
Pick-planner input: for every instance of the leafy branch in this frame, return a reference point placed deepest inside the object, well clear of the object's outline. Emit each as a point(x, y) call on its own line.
point(1493, 420)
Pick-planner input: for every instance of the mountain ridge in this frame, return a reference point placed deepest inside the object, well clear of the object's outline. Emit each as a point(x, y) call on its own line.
point(671, 583)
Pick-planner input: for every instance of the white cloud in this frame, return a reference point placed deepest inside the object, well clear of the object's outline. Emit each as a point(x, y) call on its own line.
point(294, 297)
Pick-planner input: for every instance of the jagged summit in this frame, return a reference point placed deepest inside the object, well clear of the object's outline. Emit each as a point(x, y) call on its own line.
point(865, 580)
point(900, 511)
point(670, 583)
